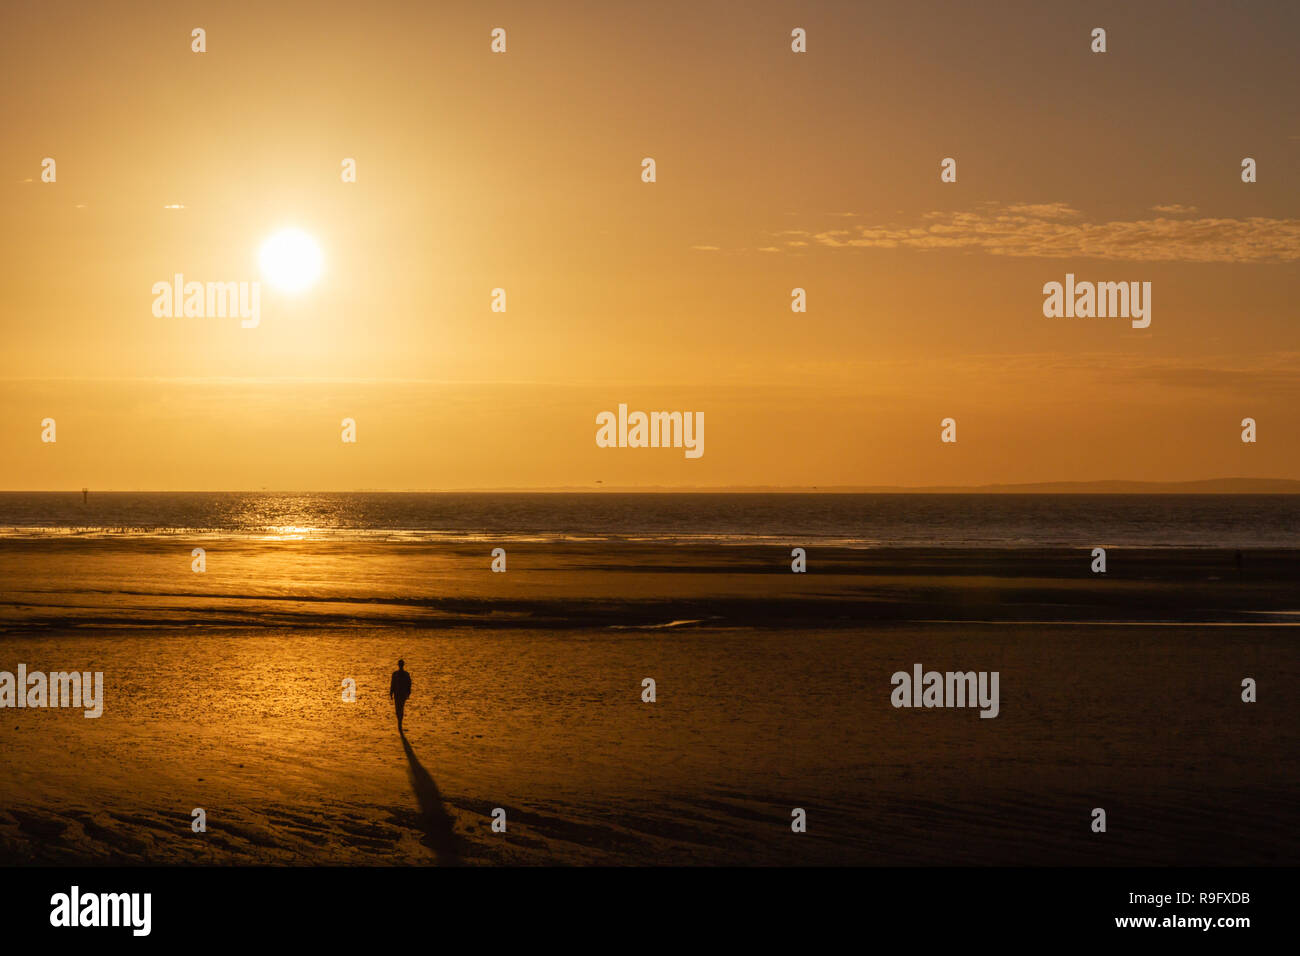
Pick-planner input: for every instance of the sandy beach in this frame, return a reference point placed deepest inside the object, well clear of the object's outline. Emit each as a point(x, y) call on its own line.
point(223, 692)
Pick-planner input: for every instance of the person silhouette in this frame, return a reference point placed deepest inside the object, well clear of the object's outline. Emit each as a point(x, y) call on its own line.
point(399, 688)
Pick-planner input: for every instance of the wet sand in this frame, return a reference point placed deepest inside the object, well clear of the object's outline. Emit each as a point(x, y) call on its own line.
point(223, 691)
point(115, 582)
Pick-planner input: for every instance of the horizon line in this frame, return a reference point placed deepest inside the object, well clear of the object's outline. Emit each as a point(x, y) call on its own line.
point(1100, 486)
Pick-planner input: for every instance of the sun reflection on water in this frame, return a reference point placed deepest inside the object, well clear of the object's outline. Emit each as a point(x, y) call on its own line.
point(289, 533)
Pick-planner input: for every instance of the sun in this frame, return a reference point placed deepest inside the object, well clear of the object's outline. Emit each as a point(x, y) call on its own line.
point(290, 260)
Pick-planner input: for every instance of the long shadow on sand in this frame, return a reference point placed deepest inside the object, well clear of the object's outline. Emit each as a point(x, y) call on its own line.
point(437, 825)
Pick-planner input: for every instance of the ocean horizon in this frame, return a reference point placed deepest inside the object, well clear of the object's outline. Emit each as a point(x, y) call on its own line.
point(826, 519)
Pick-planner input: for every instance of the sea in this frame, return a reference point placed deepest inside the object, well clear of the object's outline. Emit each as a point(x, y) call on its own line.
point(1012, 521)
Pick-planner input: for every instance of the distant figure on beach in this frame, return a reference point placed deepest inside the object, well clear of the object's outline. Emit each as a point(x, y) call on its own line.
point(399, 688)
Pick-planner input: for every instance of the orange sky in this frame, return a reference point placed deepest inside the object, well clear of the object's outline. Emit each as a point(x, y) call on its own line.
point(522, 171)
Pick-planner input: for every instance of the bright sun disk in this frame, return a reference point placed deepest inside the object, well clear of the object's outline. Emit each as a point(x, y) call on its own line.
point(290, 260)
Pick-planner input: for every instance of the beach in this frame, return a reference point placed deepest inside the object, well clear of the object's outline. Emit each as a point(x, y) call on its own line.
point(224, 691)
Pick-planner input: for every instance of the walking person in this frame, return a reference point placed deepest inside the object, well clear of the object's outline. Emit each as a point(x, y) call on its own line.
point(399, 688)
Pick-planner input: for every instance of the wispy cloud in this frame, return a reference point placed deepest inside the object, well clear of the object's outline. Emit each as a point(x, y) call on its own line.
point(1058, 231)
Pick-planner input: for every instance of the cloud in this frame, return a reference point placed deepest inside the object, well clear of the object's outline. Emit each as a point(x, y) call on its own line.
point(707, 248)
point(1175, 209)
point(1043, 210)
point(1059, 231)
